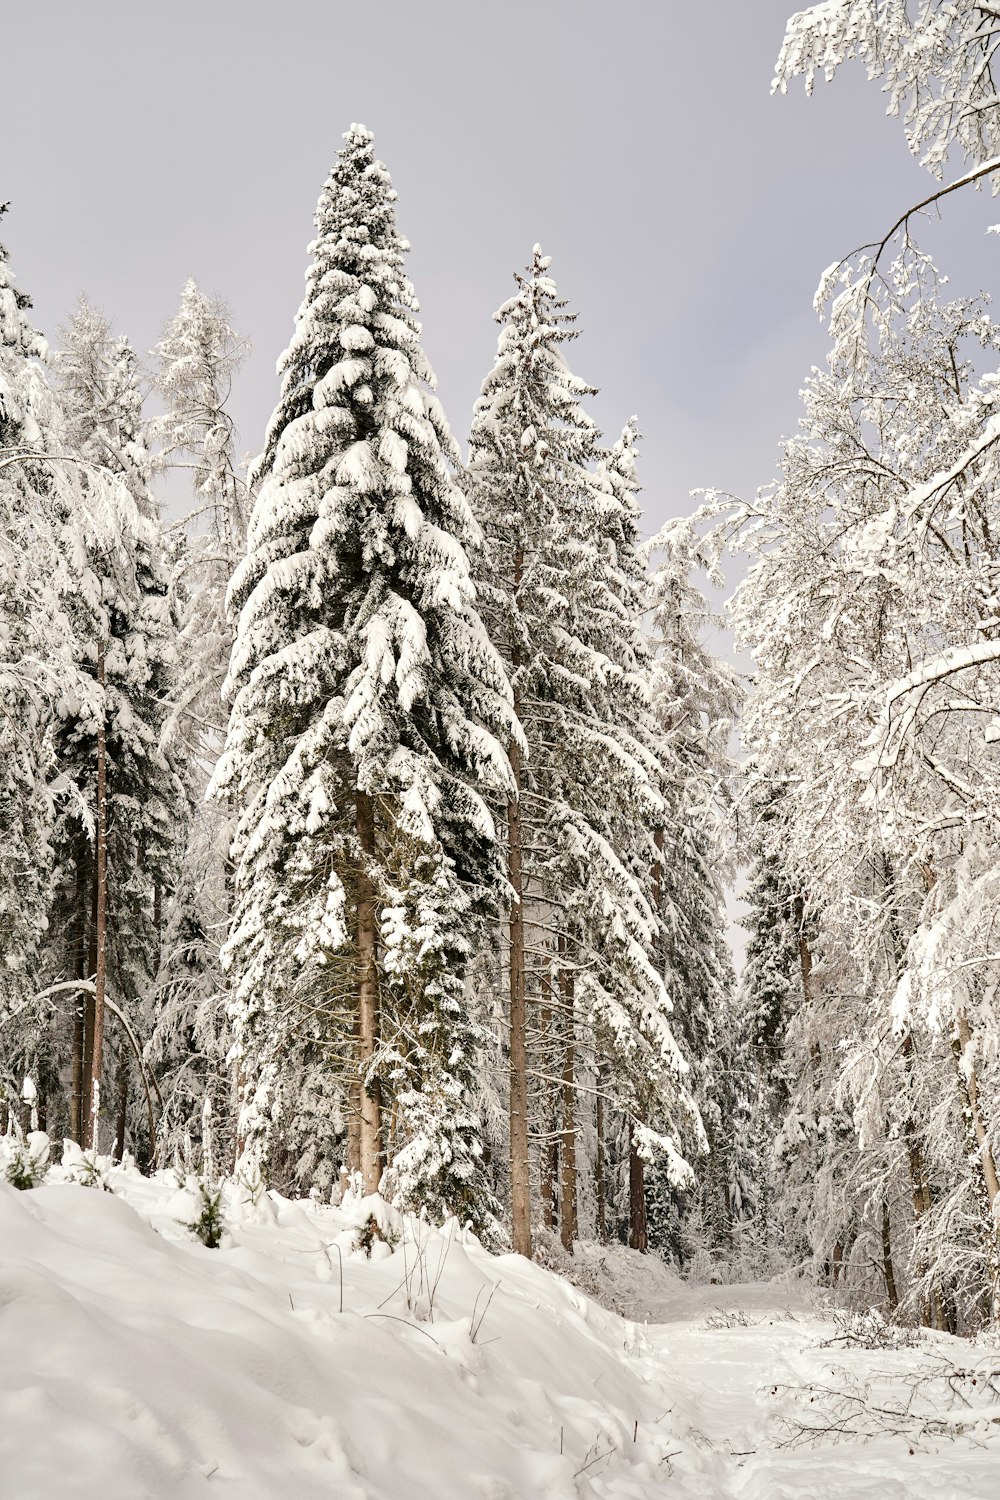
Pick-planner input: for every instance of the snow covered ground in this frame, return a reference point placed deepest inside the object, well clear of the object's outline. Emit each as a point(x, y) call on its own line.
point(137, 1363)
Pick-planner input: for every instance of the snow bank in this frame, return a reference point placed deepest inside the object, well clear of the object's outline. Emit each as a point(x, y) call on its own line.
point(139, 1365)
point(149, 1366)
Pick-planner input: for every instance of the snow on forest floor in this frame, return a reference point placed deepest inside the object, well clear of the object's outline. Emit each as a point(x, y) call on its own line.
point(137, 1363)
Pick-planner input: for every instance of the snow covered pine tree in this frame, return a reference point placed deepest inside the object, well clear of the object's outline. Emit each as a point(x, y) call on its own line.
point(558, 579)
point(369, 712)
point(119, 838)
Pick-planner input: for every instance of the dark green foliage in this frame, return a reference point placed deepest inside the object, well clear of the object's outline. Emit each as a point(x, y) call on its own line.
point(210, 1225)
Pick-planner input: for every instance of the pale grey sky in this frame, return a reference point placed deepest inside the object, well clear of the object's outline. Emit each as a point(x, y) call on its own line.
point(689, 214)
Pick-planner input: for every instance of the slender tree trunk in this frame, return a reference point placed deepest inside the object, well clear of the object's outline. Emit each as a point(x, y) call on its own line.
point(920, 1192)
point(353, 1162)
point(933, 1309)
point(890, 1275)
point(600, 1166)
point(157, 918)
point(638, 1237)
point(805, 952)
point(520, 1179)
point(835, 1267)
point(76, 1087)
point(239, 1135)
point(87, 1030)
point(354, 1092)
point(101, 919)
point(550, 1146)
point(567, 1207)
point(838, 1262)
point(76, 1070)
point(121, 1114)
point(970, 1086)
point(520, 1165)
point(368, 997)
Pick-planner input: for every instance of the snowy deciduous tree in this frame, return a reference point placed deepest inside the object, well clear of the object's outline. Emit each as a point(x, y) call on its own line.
point(937, 59)
point(35, 669)
point(196, 360)
point(871, 613)
point(695, 700)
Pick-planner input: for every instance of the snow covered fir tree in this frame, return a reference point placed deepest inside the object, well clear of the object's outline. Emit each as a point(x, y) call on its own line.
point(368, 712)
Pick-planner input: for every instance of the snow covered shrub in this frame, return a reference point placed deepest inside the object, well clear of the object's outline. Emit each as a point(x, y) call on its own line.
point(374, 1226)
point(725, 1318)
point(25, 1162)
point(868, 1329)
point(370, 1233)
point(85, 1167)
point(706, 1266)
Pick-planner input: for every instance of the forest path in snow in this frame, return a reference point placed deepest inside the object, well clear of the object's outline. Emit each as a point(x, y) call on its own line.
point(776, 1400)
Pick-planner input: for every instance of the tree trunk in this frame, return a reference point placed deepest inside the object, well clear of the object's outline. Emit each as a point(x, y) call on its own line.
point(87, 1028)
point(661, 937)
point(121, 1114)
point(969, 1082)
point(638, 1237)
point(887, 1266)
point(520, 1180)
point(353, 1163)
point(600, 1183)
point(370, 1142)
point(837, 1269)
point(101, 920)
point(920, 1191)
point(567, 1207)
point(550, 1146)
point(935, 1313)
point(76, 1087)
point(805, 952)
point(76, 1072)
point(520, 1165)
point(158, 918)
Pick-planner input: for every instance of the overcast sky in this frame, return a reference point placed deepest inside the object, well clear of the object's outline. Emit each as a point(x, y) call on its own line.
point(689, 213)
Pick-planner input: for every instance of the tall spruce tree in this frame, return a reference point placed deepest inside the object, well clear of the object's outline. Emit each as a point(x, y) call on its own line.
point(118, 837)
point(559, 587)
point(695, 700)
point(367, 706)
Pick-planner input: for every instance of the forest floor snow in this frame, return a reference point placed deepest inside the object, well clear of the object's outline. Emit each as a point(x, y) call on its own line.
point(136, 1363)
